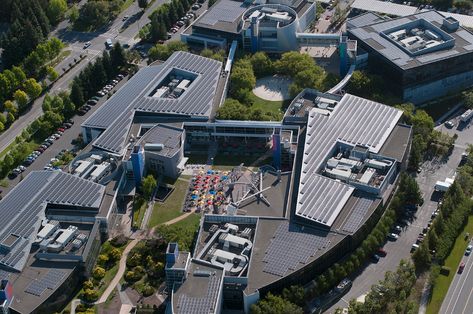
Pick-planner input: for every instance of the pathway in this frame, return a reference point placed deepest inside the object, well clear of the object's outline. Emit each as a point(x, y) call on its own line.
point(121, 271)
point(177, 219)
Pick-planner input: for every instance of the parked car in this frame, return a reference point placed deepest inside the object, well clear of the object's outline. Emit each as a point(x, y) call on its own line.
point(375, 258)
point(22, 168)
point(101, 93)
point(381, 252)
point(87, 45)
point(461, 267)
point(120, 76)
point(66, 125)
point(393, 236)
point(449, 124)
point(92, 102)
point(397, 229)
point(414, 247)
point(12, 175)
point(27, 162)
point(125, 18)
point(61, 129)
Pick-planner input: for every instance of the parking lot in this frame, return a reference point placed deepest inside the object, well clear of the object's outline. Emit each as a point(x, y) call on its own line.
point(64, 142)
point(431, 172)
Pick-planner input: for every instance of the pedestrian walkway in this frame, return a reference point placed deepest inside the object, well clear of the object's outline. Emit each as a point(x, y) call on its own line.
point(120, 272)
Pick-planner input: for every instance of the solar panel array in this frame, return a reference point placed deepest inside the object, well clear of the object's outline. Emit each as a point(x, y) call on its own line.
point(354, 121)
point(357, 215)
point(117, 113)
point(123, 98)
point(326, 198)
point(224, 11)
point(289, 248)
point(49, 281)
point(4, 274)
point(24, 206)
point(203, 305)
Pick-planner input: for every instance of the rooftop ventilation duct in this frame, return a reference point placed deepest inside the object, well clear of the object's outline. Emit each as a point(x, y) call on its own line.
point(450, 24)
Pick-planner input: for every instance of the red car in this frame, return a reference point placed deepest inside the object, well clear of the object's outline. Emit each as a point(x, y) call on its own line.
point(61, 129)
point(462, 266)
point(381, 252)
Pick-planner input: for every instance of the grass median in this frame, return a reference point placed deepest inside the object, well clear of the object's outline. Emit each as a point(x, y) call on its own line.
point(443, 282)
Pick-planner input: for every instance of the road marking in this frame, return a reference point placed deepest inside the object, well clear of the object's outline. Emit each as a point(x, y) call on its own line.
point(467, 299)
point(461, 279)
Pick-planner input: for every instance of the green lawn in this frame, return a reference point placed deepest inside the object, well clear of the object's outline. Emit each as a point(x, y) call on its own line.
point(139, 209)
point(453, 260)
point(189, 223)
point(109, 275)
point(172, 207)
point(277, 107)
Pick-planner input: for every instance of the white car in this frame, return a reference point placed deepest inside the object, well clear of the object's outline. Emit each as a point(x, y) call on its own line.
point(87, 45)
point(393, 236)
point(468, 250)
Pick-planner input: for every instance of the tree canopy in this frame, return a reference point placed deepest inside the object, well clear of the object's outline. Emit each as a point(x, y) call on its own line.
point(276, 305)
point(148, 185)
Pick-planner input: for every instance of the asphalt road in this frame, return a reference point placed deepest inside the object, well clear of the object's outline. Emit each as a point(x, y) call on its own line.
point(459, 297)
point(432, 171)
point(75, 41)
point(64, 142)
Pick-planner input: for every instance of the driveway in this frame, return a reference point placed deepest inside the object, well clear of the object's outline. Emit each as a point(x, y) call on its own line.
point(432, 171)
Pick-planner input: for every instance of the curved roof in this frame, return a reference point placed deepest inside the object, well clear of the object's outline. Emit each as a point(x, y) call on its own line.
point(116, 115)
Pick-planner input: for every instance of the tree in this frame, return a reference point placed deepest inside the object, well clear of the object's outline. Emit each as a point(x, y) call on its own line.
point(242, 78)
point(56, 10)
point(10, 118)
point(275, 305)
point(232, 109)
point(90, 295)
point(148, 184)
point(261, 64)
point(21, 99)
point(293, 62)
point(422, 258)
point(117, 56)
point(409, 190)
point(143, 4)
point(73, 14)
point(102, 259)
point(77, 95)
point(98, 273)
point(294, 294)
point(32, 88)
point(52, 74)
point(20, 76)
point(114, 254)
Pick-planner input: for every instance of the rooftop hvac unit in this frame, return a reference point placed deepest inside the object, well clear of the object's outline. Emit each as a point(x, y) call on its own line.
point(76, 244)
point(156, 147)
point(81, 237)
point(246, 233)
point(213, 228)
